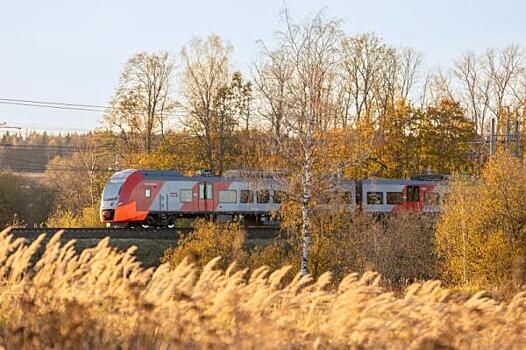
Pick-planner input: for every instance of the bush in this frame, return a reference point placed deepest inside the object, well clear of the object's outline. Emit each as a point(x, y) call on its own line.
point(274, 255)
point(208, 241)
point(481, 236)
point(399, 246)
point(68, 219)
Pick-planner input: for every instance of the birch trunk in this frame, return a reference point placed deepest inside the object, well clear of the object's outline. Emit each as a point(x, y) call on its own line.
point(307, 195)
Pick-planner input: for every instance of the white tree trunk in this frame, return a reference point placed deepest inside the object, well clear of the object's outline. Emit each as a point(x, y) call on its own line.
point(307, 194)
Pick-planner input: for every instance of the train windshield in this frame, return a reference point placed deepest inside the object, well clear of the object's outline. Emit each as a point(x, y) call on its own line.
point(112, 190)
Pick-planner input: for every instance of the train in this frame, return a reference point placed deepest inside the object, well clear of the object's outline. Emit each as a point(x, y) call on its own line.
point(155, 198)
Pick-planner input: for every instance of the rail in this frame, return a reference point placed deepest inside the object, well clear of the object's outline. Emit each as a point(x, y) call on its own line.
point(257, 232)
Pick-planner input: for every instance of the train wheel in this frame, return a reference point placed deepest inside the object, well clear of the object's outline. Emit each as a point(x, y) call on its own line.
point(171, 222)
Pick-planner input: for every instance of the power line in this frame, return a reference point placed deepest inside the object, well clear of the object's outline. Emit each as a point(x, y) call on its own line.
point(52, 103)
point(43, 165)
point(26, 126)
point(51, 106)
point(69, 106)
point(42, 169)
point(52, 148)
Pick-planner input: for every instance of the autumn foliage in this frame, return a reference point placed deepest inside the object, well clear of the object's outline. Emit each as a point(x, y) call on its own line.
point(482, 234)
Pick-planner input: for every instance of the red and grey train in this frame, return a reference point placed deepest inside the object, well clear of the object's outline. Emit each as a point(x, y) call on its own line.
point(153, 198)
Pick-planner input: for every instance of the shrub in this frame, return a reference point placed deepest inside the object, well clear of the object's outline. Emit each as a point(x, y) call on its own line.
point(400, 246)
point(274, 256)
point(68, 219)
point(481, 236)
point(208, 241)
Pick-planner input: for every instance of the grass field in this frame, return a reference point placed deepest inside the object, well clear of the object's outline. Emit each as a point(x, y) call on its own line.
point(103, 299)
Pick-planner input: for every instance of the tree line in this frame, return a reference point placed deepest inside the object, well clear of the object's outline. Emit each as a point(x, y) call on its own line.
point(317, 102)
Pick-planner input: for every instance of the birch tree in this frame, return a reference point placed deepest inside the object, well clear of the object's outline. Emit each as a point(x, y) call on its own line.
point(377, 74)
point(297, 80)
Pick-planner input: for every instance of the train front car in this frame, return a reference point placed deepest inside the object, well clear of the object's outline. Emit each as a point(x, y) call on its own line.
point(152, 198)
point(111, 201)
point(135, 198)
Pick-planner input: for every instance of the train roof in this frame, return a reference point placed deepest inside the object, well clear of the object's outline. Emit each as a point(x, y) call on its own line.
point(160, 174)
point(176, 175)
point(398, 182)
point(167, 175)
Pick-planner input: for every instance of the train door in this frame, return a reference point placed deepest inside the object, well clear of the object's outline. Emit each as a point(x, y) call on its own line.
point(163, 201)
point(413, 198)
point(206, 196)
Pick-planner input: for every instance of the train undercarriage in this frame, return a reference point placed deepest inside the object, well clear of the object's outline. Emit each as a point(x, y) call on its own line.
point(173, 220)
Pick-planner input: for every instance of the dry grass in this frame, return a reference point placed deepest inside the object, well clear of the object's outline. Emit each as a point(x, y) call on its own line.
point(102, 298)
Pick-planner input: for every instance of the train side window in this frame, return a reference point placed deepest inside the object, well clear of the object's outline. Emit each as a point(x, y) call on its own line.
point(205, 191)
point(278, 197)
point(432, 199)
point(202, 191)
point(263, 196)
point(413, 194)
point(246, 196)
point(375, 198)
point(185, 196)
point(209, 191)
point(394, 198)
point(228, 196)
point(147, 193)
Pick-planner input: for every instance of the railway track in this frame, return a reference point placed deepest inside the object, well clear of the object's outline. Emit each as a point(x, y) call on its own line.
point(124, 233)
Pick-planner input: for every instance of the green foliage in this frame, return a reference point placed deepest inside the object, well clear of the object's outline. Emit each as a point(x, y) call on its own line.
point(481, 236)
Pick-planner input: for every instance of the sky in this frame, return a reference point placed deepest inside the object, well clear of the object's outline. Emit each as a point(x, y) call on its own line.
point(73, 51)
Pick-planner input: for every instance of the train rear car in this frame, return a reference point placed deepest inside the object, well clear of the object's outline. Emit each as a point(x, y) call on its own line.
point(385, 195)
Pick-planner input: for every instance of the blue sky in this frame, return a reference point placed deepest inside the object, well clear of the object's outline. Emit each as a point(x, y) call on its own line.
point(73, 51)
